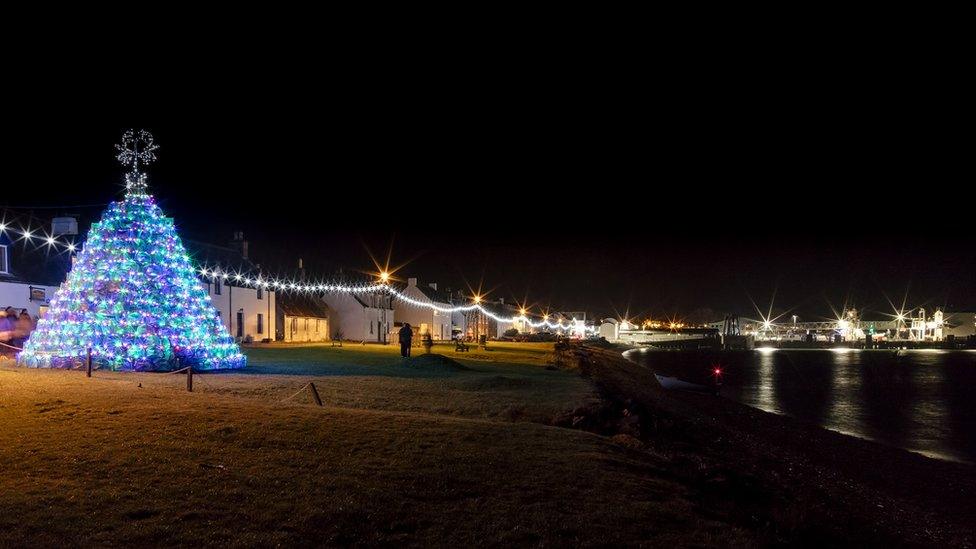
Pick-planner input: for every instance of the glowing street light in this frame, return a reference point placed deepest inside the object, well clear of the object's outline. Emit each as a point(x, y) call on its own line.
point(522, 311)
point(385, 276)
point(477, 299)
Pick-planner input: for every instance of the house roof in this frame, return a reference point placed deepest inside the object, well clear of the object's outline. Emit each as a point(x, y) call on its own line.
point(440, 296)
point(387, 302)
point(500, 309)
point(301, 305)
point(225, 258)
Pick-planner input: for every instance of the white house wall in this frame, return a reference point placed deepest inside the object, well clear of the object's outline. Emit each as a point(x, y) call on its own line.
point(358, 322)
point(233, 299)
point(423, 319)
point(17, 295)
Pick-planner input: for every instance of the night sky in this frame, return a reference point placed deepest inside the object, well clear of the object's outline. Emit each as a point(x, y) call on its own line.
point(607, 202)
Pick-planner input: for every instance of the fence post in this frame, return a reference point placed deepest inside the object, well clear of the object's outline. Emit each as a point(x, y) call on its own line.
point(315, 393)
point(88, 374)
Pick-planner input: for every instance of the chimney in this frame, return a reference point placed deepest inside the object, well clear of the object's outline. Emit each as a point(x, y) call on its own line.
point(433, 285)
point(301, 270)
point(411, 282)
point(64, 226)
point(239, 243)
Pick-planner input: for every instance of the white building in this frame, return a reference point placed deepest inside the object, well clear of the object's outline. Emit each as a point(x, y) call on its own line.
point(476, 323)
point(610, 329)
point(424, 320)
point(249, 313)
point(361, 317)
point(32, 297)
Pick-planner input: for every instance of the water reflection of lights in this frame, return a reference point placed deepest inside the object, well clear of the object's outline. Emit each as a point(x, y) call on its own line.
point(766, 350)
point(765, 396)
point(842, 350)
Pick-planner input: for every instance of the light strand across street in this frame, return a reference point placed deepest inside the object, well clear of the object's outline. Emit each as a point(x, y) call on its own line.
point(382, 287)
point(289, 285)
point(37, 236)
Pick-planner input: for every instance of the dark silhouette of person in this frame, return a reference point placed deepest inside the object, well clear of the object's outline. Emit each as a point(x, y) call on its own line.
point(406, 338)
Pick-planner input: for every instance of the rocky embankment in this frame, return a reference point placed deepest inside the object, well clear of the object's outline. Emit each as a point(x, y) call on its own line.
point(786, 480)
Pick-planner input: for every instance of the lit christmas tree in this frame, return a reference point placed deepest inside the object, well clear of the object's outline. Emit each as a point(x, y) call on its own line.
point(132, 295)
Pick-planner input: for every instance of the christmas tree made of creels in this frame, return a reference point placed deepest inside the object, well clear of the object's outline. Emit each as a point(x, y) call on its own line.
point(132, 296)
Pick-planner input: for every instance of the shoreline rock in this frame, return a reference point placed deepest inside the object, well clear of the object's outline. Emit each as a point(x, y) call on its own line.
point(784, 479)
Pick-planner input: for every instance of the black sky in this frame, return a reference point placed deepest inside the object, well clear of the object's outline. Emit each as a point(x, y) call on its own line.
point(606, 196)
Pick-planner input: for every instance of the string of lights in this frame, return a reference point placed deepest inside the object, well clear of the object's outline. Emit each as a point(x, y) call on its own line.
point(31, 236)
point(290, 285)
point(284, 285)
point(383, 285)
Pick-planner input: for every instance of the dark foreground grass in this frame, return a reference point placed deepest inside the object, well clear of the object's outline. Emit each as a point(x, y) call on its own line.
point(425, 453)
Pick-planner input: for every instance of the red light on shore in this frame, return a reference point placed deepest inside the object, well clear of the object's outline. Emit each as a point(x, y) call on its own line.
point(717, 371)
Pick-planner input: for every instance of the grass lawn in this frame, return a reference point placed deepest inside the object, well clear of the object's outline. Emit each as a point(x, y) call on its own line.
point(417, 452)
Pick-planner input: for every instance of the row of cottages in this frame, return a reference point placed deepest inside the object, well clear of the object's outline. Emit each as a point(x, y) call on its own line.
point(30, 274)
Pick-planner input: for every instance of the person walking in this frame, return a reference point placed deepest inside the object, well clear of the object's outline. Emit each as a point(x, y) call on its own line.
point(406, 338)
point(7, 325)
point(22, 329)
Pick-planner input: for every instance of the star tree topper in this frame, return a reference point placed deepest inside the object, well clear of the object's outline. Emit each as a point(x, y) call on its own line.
point(136, 147)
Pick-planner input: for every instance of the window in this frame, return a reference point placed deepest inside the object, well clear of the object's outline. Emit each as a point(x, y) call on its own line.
point(4, 267)
point(260, 293)
point(260, 323)
point(216, 285)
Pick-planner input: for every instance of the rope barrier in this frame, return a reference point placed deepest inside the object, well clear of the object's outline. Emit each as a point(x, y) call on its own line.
point(311, 387)
point(11, 347)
